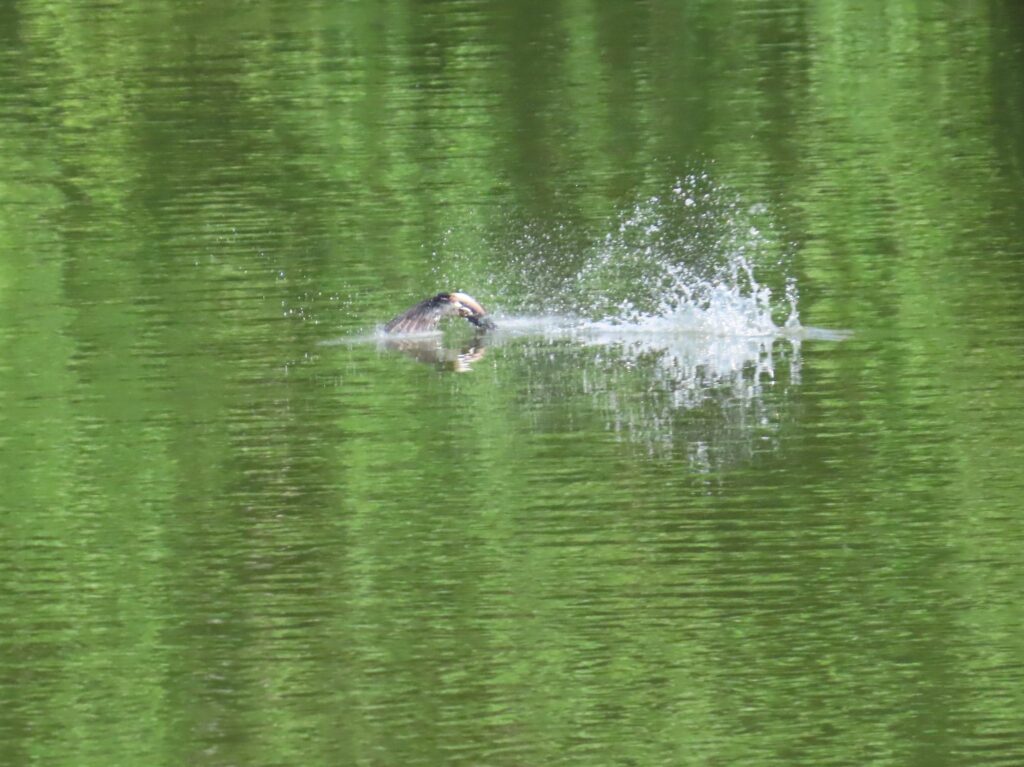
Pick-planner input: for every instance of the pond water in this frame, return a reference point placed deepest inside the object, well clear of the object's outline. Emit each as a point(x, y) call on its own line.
point(736, 480)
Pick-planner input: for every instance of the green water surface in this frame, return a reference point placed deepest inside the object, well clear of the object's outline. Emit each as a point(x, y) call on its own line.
point(237, 529)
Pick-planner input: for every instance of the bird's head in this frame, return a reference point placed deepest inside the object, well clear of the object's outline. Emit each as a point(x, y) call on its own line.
point(470, 308)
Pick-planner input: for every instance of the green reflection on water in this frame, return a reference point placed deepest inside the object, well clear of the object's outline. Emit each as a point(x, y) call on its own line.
point(224, 542)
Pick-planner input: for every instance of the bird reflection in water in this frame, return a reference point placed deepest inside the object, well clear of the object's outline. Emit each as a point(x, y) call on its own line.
point(432, 351)
point(425, 317)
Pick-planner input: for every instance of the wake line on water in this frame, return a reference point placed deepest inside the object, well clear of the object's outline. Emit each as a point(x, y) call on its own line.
point(651, 330)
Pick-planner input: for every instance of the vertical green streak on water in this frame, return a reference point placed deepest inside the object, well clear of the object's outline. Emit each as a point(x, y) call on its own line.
point(906, 230)
point(76, 547)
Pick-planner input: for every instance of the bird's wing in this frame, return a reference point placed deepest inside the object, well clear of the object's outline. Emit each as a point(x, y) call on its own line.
point(420, 318)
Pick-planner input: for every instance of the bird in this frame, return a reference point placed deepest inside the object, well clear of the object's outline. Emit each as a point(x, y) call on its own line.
point(428, 313)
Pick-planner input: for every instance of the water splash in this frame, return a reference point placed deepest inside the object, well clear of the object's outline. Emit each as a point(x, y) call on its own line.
point(695, 259)
point(688, 303)
point(676, 323)
point(686, 261)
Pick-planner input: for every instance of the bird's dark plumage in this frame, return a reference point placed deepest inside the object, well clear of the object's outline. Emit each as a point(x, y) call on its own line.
point(427, 314)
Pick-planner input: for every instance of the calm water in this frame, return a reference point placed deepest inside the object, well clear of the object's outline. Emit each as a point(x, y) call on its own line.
point(660, 518)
